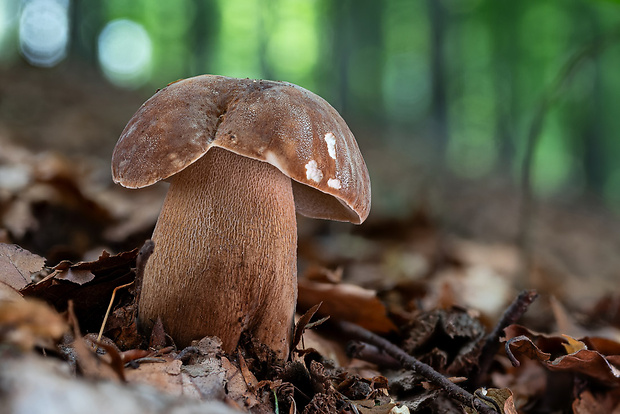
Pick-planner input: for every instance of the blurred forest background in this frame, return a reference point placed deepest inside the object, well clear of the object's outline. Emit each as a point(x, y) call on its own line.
point(431, 88)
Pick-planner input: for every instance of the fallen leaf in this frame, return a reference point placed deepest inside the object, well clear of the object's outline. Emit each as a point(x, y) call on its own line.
point(524, 346)
point(346, 302)
point(236, 386)
point(449, 340)
point(302, 323)
point(9, 293)
point(84, 272)
point(496, 398)
point(369, 407)
point(588, 403)
point(322, 274)
point(79, 276)
point(562, 354)
point(29, 323)
point(17, 265)
point(249, 378)
point(91, 299)
point(33, 384)
point(164, 375)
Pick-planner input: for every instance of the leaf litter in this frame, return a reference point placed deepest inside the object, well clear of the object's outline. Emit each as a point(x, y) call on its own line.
point(435, 297)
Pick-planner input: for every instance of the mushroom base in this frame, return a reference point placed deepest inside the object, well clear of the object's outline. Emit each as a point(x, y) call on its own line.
point(225, 255)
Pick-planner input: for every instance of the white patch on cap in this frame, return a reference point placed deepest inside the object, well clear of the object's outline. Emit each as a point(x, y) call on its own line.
point(272, 159)
point(334, 183)
point(330, 139)
point(312, 171)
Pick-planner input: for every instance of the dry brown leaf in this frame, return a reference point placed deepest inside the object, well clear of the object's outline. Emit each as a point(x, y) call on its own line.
point(17, 265)
point(33, 384)
point(236, 386)
point(212, 378)
point(91, 299)
point(496, 398)
point(29, 323)
point(9, 293)
point(78, 276)
point(587, 403)
point(328, 348)
point(164, 375)
point(83, 272)
point(346, 302)
point(302, 323)
point(248, 377)
point(322, 274)
point(552, 352)
point(369, 407)
point(605, 346)
point(524, 346)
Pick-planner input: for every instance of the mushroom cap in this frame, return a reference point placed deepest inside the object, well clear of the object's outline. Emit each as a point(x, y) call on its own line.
point(283, 124)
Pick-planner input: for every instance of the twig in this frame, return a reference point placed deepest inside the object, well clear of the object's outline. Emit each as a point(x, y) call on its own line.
point(454, 391)
point(370, 353)
point(550, 96)
point(107, 312)
point(513, 360)
point(491, 344)
point(187, 352)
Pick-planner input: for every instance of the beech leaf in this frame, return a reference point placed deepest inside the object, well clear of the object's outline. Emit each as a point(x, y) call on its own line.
point(17, 265)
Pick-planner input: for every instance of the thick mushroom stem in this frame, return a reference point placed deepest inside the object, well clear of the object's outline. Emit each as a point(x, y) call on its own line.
point(225, 254)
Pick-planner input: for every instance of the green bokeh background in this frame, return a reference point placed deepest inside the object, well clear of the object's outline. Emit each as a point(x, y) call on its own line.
point(449, 85)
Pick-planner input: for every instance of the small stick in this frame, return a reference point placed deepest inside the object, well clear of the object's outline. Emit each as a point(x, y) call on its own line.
point(491, 345)
point(420, 368)
point(370, 353)
point(107, 313)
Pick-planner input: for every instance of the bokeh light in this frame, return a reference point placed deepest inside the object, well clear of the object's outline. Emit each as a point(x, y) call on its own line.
point(9, 17)
point(125, 53)
point(44, 31)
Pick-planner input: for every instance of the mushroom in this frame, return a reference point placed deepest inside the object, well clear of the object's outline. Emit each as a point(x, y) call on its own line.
point(242, 156)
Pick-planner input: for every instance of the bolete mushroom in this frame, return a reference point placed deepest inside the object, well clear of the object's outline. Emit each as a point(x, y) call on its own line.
point(241, 156)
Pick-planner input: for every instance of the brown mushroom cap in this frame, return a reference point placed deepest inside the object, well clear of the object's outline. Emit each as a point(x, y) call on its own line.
point(280, 123)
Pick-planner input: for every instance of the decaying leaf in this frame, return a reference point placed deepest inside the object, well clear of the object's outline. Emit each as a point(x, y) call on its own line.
point(84, 272)
point(17, 265)
point(29, 323)
point(370, 407)
point(559, 353)
point(323, 274)
point(346, 302)
point(163, 373)
point(207, 376)
point(237, 387)
point(9, 293)
point(31, 384)
point(600, 402)
point(449, 340)
point(501, 400)
point(88, 284)
point(303, 323)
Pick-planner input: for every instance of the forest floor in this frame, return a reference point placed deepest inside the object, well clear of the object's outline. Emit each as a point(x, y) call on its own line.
point(447, 288)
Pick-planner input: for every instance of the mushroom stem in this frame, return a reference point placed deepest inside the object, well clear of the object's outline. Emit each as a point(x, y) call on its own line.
point(225, 254)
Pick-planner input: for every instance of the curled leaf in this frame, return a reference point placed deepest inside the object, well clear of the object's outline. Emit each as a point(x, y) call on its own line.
point(563, 353)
